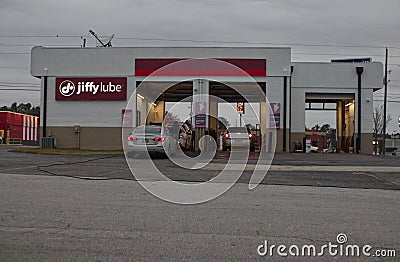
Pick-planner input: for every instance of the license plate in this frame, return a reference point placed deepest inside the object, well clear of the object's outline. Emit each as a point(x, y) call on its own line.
point(239, 141)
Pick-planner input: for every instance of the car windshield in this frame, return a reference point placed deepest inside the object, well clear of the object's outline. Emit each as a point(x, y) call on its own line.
point(148, 130)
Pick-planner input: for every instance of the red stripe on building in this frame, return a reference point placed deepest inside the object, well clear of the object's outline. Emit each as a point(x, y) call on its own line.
point(200, 67)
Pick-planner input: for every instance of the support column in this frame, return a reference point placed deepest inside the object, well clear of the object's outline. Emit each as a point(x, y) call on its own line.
point(213, 117)
point(359, 71)
point(44, 110)
point(201, 109)
point(264, 123)
point(284, 146)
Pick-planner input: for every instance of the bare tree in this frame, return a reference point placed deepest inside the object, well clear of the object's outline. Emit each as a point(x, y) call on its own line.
point(378, 119)
point(379, 122)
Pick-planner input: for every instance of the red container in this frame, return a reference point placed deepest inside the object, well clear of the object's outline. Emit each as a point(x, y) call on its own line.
point(18, 127)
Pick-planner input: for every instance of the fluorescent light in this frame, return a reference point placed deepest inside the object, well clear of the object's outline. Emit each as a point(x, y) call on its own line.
point(154, 104)
point(139, 95)
point(349, 104)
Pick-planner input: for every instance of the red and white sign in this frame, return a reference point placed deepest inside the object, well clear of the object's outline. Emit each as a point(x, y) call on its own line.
point(91, 88)
point(127, 117)
point(240, 107)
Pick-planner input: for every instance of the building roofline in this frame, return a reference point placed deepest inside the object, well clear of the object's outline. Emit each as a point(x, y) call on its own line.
point(172, 47)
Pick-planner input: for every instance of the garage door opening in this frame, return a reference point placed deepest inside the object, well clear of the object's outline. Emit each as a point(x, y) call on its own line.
point(329, 125)
point(238, 113)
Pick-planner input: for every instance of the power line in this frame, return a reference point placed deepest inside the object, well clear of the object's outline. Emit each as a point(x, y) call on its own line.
point(13, 67)
point(38, 36)
point(19, 83)
point(13, 53)
point(2, 85)
point(389, 101)
point(205, 41)
point(394, 95)
point(29, 45)
point(25, 89)
point(252, 43)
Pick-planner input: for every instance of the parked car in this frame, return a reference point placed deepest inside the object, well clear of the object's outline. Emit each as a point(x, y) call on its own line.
point(311, 149)
point(329, 150)
point(396, 152)
point(238, 137)
point(151, 138)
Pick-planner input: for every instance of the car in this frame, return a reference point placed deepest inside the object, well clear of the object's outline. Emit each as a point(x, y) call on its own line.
point(238, 137)
point(396, 152)
point(311, 149)
point(151, 139)
point(329, 150)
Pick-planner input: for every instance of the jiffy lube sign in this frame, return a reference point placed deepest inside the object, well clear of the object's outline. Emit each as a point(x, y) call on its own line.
point(91, 88)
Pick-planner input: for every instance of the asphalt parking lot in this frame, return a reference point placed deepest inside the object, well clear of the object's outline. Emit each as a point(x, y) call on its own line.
point(326, 170)
point(89, 208)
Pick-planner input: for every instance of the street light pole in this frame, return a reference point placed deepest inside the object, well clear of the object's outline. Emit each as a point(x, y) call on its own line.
point(385, 102)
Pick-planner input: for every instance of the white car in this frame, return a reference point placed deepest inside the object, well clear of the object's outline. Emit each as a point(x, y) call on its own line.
point(311, 149)
point(396, 152)
point(151, 139)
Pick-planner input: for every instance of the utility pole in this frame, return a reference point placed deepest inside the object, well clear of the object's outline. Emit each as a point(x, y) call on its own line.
point(385, 102)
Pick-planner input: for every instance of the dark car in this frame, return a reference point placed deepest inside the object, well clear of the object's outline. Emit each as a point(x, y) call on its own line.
point(238, 137)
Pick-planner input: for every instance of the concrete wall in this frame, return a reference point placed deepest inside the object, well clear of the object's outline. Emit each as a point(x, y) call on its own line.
point(96, 138)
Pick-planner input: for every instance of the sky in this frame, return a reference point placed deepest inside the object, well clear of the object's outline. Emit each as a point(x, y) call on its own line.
point(316, 30)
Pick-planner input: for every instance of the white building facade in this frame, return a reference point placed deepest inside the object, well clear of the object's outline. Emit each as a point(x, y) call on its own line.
point(85, 91)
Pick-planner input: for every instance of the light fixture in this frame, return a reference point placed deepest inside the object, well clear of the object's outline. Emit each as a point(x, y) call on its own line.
point(154, 104)
point(140, 96)
point(349, 104)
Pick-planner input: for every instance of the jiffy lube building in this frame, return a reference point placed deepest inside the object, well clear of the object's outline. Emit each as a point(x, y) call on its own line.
point(85, 93)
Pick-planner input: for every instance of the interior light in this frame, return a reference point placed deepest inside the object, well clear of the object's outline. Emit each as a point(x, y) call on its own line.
point(154, 104)
point(140, 96)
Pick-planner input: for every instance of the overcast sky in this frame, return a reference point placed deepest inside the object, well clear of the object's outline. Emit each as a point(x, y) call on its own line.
point(369, 24)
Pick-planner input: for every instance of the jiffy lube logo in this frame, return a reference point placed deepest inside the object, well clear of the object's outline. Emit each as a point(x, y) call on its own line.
point(67, 88)
point(99, 88)
point(208, 172)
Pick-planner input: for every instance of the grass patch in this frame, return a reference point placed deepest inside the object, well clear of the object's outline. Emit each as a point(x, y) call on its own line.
point(67, 151)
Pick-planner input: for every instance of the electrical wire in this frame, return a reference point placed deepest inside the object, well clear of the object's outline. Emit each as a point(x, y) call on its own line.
point(206, 41)
point(19, 83)
point(24, 89)
point(13, 67)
